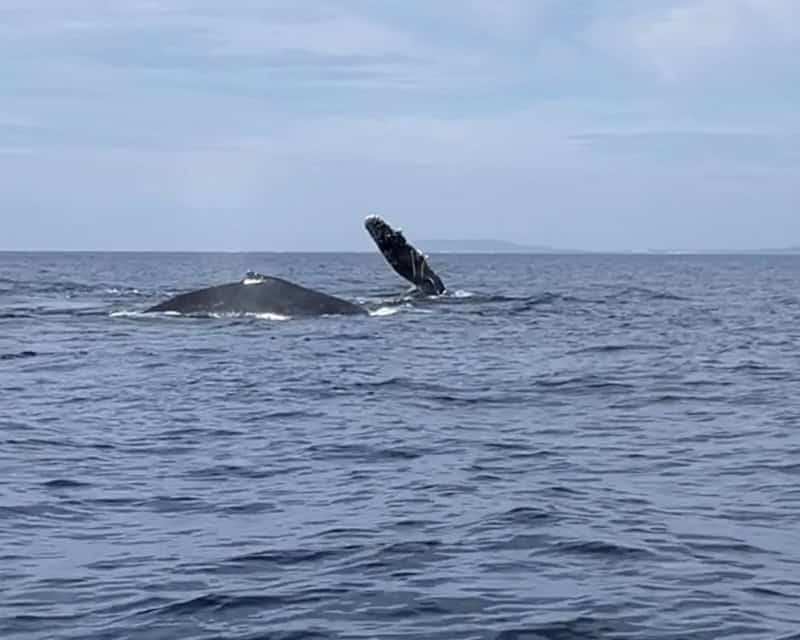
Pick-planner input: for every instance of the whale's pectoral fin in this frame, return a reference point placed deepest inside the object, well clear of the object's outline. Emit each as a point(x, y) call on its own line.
point(404, 258)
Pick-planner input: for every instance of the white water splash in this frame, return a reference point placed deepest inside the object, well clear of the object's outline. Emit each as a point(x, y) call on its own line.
point(116, 291)
point(152, 314)
point(460, 293)
point(384, 311)
point(232, 315)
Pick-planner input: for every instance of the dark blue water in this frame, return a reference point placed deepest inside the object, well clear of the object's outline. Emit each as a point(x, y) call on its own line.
point(568, 447)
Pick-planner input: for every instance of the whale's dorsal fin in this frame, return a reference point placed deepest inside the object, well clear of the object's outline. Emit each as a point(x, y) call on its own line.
point(403, 257)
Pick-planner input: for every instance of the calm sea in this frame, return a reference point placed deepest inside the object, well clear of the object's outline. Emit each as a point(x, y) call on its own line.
point(566, 447)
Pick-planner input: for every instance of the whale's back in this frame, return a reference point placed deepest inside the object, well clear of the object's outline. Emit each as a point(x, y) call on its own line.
point(265, 295)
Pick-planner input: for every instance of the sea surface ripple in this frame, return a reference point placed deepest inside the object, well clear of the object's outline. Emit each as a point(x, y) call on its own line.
point(565, 447)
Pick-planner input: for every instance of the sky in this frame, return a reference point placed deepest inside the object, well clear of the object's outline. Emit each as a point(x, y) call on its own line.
point(261, 125)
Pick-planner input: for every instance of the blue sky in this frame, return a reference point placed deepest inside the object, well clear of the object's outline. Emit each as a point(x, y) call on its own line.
point(279, 125)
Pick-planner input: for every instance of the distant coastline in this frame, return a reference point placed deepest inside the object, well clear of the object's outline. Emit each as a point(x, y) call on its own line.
point(439, 245)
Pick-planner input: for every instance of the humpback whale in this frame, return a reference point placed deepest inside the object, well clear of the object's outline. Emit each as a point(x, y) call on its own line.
point(259, 294)
point(264, 294)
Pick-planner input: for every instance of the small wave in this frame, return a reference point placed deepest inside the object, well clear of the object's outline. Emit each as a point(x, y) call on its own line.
point(411, 547)
point(250, 508)
point(579, 627)
point(769, 592)
point(50, 310)
point(790, 468)
point(363, 452)
point(229, 471)
point(65, 484)
point(584, 383)
point(601, 548)
point(542, 298)
point(49, 442)
point(460, 293)
point(644, 292)
point(18, 355)
point(519, 517)
point(291, 557)
point(700, 544)
point(613, 348)
point(526, 515)
point(175, 504)
point(43, 511)
point(219, 603)
point(399, 555)
point(68, 289)
point(345, 532)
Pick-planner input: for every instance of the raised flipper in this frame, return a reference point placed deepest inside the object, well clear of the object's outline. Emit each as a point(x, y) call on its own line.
point(404, 258)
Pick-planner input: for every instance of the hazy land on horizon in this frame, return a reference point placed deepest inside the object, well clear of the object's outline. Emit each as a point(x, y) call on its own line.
point(491, 245)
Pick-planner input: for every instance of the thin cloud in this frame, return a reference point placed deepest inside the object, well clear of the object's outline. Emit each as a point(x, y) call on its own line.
point(695, 36)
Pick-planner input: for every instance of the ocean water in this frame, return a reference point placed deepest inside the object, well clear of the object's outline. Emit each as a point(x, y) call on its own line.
point(565, 447)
